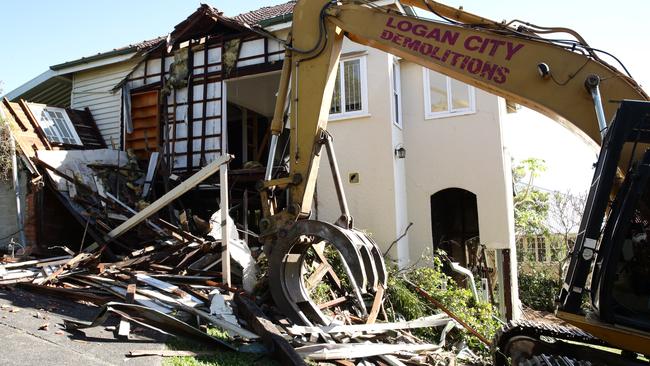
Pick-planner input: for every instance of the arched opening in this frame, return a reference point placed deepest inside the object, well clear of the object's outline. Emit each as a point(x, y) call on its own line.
point(454, 223)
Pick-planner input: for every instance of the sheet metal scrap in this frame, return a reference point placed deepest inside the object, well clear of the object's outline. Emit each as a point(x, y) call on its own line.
point(149, 318)
point(171, 277)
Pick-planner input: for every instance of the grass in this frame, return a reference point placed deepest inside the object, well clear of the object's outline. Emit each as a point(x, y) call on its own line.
point(224, 358)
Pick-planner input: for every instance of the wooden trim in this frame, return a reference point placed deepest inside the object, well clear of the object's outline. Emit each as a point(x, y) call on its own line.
point(190, 110)
point(35, 125)
point(170, 196)
point(20, 123)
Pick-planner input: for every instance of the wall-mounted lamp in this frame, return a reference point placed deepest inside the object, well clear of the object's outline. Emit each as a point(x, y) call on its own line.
point(544, 70)
point(400, 151)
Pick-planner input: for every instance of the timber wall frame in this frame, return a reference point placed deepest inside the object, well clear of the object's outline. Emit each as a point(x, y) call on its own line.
point(193, 126)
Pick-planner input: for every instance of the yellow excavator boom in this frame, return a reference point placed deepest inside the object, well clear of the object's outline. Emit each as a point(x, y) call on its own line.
point(564, 80)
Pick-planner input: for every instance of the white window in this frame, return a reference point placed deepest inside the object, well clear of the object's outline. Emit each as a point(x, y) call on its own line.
point(396, 93)
point(444, 96)
point(350, 96)
point(55, 124)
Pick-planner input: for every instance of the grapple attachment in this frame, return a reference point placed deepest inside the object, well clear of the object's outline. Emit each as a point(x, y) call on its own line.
point(354, 252)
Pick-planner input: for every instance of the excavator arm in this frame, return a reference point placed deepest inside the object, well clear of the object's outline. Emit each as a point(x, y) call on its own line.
point(517, 65)
point(564, 80)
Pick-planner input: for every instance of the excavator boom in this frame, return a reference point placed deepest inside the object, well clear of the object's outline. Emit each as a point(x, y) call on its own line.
point(565, 81)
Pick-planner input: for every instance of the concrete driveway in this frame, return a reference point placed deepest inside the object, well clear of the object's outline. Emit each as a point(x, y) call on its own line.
point(31, 333)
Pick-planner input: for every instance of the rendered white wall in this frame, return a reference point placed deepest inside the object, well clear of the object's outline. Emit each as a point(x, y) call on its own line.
point(463, 152)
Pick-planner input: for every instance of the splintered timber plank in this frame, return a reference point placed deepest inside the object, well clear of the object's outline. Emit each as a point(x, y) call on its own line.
point(376, 305)
point(151, 171)
point(270, 335)
point(166, 199)
point(426, 322)
point(316, 277)
point(125, 326)
point(330, 270)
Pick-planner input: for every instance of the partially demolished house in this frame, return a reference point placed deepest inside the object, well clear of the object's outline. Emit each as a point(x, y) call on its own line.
point(123, 147)
point(178, 116)
point(436, 177)
point(38, 127)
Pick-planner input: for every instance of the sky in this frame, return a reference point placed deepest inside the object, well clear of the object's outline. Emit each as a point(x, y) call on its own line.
point(40, 33)
point(620, 28)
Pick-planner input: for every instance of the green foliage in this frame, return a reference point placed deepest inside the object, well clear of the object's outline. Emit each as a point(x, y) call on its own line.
point(443, 288)
point(531, 205)
point(5, 151)
point(538, 289)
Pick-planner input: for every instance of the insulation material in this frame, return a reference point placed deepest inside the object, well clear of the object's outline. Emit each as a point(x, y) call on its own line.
point(221, 308)
point(239, 250)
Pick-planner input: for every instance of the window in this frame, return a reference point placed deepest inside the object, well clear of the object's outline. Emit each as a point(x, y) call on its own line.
point(444, 96)
point(396, 92)
point(541, 248)
point(521, 248)
point(55, 124)
point(350, 96)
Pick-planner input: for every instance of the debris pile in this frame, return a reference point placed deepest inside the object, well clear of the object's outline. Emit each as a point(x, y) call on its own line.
point(150, 272)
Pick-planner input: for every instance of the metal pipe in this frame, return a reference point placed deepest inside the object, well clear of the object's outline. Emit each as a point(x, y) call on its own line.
point(281, 99)
point(470, 278)
point(450, 313)
point(592, 83)
point(278, 114)
point(338, 184)
point(271, 159)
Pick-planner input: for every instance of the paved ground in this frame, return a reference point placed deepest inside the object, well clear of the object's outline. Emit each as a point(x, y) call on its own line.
point(22, 343)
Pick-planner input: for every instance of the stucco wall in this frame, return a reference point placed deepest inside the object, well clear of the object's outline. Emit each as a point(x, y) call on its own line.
point(364, 145)
point(461, 151)
point(8, 212)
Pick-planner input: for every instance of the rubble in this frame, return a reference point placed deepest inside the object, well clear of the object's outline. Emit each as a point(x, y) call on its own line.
point(164, 270)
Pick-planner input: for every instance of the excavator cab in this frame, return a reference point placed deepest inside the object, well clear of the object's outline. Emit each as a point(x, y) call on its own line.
point(606, 290)
point(620, 285)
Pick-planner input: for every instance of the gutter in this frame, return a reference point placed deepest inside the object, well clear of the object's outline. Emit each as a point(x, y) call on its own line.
point(276, 20)
point(99, 56)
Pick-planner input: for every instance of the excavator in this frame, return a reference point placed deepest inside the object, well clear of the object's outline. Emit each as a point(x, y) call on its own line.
point(553, 70)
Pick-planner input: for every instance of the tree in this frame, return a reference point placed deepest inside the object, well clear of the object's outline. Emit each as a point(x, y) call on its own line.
point(565, 213)
point(5, 148)
point(531, 205)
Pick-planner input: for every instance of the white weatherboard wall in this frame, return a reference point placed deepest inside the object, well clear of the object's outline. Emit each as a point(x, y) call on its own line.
point(92, 89)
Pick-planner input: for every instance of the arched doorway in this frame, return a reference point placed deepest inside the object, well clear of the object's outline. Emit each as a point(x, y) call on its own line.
point(454, 222)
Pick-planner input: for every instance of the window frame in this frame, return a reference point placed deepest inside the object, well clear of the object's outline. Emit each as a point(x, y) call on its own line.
point(450, 112)
point(38, 110)
point(364, 90)
point(395, 74)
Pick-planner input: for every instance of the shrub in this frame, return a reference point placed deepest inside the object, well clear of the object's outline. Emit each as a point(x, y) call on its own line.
point(5, 152)
point(410, 305)
point(538, 289)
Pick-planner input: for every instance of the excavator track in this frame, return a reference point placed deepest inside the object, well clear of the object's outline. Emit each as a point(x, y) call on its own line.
point(546, 360)
point(533, 343)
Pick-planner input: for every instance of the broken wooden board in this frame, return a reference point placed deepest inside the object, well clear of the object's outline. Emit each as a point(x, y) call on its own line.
point(334, 351)
point(426, 322)
point(170, 196)
point(151, 172)
point(270, 335)
point(152, 319)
